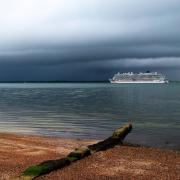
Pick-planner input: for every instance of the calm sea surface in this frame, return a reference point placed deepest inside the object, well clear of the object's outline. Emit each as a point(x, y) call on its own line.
point(93, 110)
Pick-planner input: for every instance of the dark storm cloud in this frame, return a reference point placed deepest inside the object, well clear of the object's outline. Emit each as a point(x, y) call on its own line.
point(56, 39)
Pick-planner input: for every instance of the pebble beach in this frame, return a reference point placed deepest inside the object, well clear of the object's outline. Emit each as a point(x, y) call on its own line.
point(126, 161)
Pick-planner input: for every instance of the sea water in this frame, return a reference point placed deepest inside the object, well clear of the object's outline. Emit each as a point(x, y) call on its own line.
point(93, 110)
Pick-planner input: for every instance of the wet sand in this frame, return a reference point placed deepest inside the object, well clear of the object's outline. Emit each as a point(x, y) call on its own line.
point(17, 152)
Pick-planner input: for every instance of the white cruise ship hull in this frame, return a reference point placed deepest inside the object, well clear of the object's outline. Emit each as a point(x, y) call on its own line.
point(139, 78)
point(138, 82)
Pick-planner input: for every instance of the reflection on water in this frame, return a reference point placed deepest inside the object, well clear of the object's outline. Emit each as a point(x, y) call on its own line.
point(93, 110)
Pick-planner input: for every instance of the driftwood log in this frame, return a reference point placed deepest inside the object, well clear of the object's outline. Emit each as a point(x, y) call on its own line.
point(79, 153)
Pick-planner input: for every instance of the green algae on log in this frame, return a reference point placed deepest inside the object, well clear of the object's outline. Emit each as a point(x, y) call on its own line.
point(79, 153)
point(44, 168)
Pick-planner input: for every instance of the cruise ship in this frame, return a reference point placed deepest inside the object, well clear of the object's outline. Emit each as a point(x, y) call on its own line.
point(130, 77)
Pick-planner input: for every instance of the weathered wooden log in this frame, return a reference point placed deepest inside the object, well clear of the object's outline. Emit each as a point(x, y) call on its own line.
point(79, 153)
point(116, 138)
point(44, 168)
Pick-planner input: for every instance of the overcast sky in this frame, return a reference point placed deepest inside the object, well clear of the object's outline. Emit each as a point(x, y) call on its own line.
point(88, 39)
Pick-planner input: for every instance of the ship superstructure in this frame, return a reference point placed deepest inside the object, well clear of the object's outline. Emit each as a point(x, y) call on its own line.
point(148, 77)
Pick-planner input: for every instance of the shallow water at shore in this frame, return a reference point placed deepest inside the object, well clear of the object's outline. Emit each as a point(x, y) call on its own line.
point(93, 110)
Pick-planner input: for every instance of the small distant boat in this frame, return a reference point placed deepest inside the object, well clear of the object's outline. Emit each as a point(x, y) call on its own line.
point(130, 77)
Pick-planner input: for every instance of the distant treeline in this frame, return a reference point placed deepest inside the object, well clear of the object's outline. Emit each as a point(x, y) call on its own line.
point(54, 81)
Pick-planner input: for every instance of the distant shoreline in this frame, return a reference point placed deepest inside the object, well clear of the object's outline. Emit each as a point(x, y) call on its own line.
point(65, 82)
point(54, 81)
